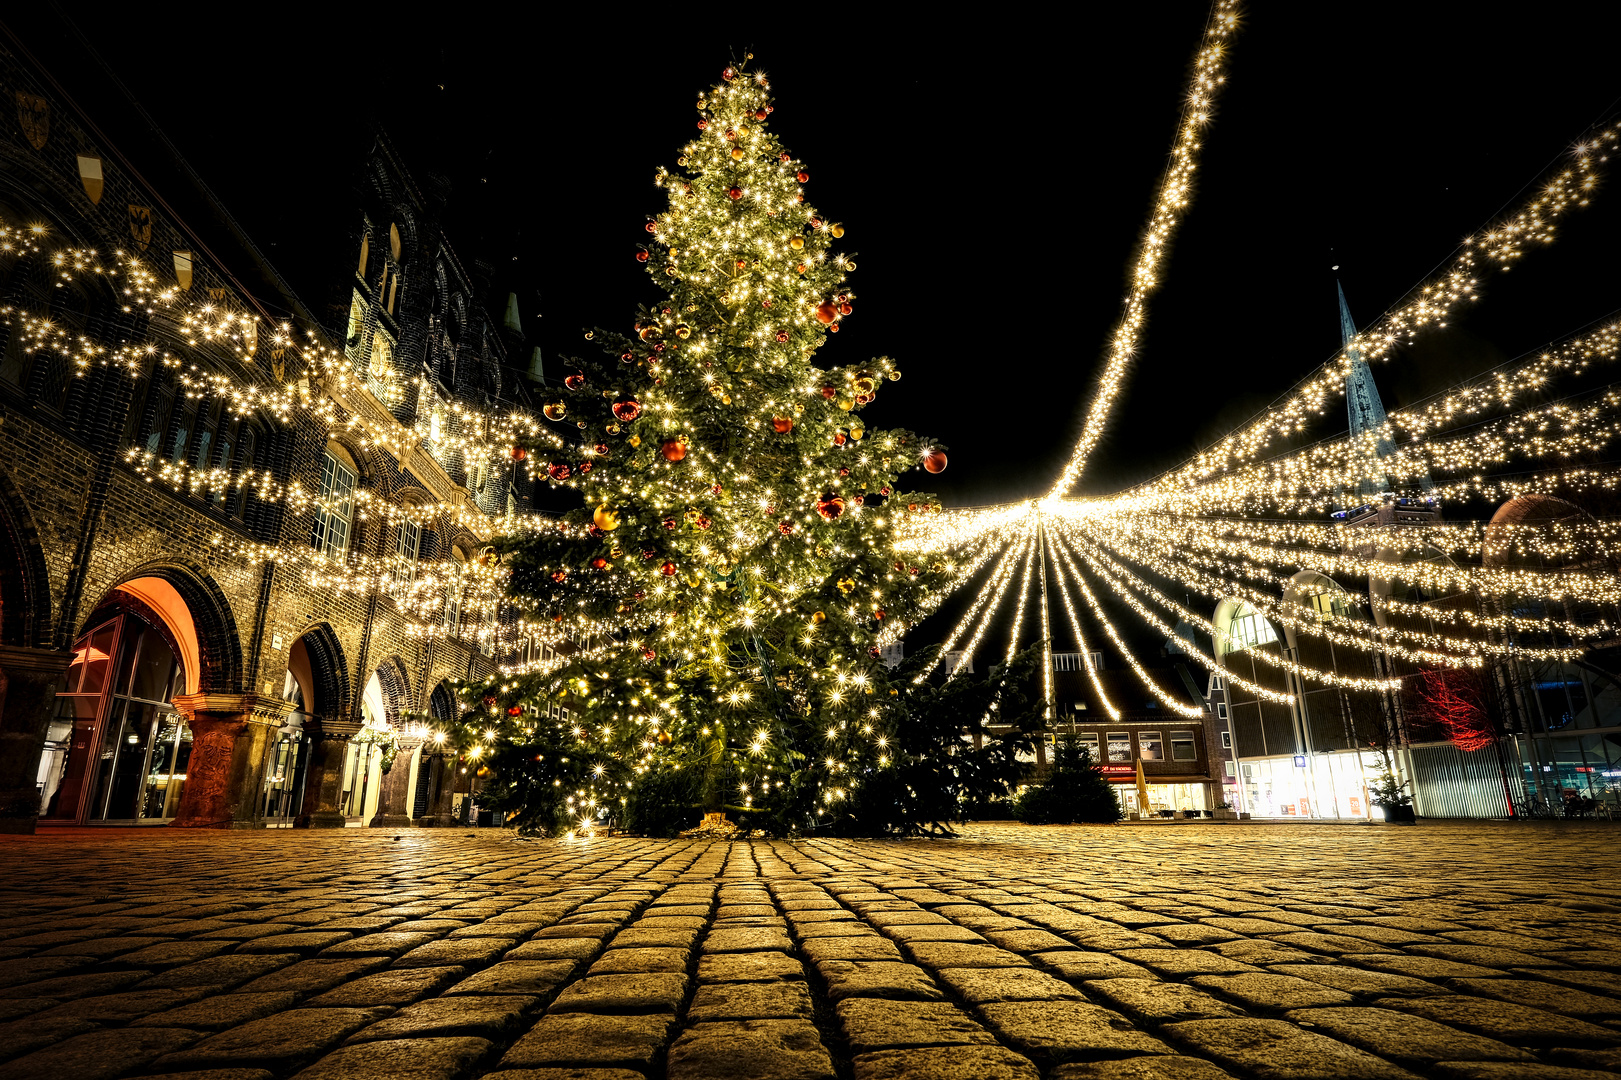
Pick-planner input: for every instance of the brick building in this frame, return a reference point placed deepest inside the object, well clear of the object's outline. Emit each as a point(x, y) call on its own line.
point(181, 640)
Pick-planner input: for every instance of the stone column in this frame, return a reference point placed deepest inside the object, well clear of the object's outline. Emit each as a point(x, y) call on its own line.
point(392, 811)
point(230, 738)
point(323, 783)
point(29, 680)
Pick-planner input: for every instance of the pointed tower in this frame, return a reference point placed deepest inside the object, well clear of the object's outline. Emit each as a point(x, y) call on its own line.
point(1372, 496)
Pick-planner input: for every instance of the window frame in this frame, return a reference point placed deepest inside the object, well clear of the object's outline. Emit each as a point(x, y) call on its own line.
point(1184, 739)
point(327, 537)
point(1113, 739)
point(1158, 739)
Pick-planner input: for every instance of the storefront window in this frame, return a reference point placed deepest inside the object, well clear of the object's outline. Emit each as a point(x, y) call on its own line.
point(1088, 741)
point(1119, 746)
point(1150, 746)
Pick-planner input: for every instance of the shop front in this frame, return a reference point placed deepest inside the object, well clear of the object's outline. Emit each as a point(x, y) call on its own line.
point(1332, 785)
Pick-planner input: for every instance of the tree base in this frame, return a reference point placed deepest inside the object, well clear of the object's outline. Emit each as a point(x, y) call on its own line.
point(712, 827)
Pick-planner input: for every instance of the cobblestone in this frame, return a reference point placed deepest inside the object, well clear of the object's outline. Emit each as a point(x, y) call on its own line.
point(1185, 953)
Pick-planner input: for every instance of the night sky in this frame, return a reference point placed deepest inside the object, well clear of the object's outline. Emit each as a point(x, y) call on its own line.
point(993, 174)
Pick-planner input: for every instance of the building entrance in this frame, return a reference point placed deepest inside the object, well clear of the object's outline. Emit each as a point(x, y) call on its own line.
point(116, 750)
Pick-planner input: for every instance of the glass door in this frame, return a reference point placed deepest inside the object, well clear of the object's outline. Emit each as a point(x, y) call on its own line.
point(116, 750)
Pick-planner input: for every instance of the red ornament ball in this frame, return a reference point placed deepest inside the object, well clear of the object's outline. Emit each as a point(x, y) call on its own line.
point(574, 381)
point(859, 500)
point(825, 312)
point(641, 256)
point(803, 177)
point(839, 438)
point(669, 523)
point(829, 392)
point(845, 308)
point(515, 710)
point(782, 424)
point(648, 654)
point(759, 114)
point(785, 155)
point(559, 575)
point(668, 569)
point(728, 74)
point(558, 471)
point(935, 461)
point(652, 226)
point(489, 699)
point(599, 563)
point(601, 448)
point(673, 449)
point(736, 193)
point(627, 409)
point(703, 125)
point(702, 522)
point(518, 453)
point(830, 505)
point(879, 614)
point(585, 467)
point(782, 335)
point(785, 527)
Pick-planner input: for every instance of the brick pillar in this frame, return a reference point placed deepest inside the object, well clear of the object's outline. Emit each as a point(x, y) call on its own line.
point(453, 782)
point(392, 811)
point(230, 738)
point(29, 680)
point(323, 784)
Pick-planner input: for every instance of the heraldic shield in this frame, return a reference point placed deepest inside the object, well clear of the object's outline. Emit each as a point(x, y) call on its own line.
point(140, 225)
point(34, 114)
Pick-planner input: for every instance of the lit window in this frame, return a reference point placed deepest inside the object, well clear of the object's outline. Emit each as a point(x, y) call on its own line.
point(1088, 741)
point(1221, 710)
point(1150, 747)
point(335, 515)
point(1247, 628)
point(1119, 746)
point(1232, 768)
point(1226, 740)
point(1182, 748)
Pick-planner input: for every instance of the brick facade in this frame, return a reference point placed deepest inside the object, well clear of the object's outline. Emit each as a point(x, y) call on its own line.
point(80, 521)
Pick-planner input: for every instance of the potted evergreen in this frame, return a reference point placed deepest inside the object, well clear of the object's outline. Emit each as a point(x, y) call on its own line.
point(1397, 804)
point(1224, 812)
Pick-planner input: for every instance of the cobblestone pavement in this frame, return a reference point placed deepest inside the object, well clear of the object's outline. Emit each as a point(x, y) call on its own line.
point(1158, 953)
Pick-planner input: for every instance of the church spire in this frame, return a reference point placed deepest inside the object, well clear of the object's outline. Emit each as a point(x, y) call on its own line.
point(1367, 414)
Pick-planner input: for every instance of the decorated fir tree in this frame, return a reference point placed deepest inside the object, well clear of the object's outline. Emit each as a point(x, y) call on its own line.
point(734, 567)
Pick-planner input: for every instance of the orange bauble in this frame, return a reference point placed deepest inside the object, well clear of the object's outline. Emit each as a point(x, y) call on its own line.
point(830, 505)
point(935, 461)
point(675, 450)
point(825, 312)
point(783, 424)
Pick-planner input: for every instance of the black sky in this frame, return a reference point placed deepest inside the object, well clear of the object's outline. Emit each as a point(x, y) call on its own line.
point(993, 177)
point(993, 174)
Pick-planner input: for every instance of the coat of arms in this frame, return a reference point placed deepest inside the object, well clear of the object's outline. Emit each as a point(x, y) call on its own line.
point(34, 114)
point(140, 225)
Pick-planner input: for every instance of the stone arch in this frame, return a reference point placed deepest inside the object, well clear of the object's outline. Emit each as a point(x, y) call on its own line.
point(395, 685)
point(328, 671)
point(25, 586)
point(190, 604)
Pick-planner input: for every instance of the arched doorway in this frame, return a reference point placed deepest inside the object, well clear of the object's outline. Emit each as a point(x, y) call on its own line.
point(116, 749)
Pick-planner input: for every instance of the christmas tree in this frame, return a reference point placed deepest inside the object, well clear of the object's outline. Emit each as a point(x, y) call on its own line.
point(735, 566)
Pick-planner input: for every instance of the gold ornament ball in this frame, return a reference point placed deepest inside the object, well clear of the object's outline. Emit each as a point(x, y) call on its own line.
point(837, 230)
point(847, 404)
point(797, 242)
point(737, 153)
point(605, 519)
point(856, 432)
point(819, 618)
